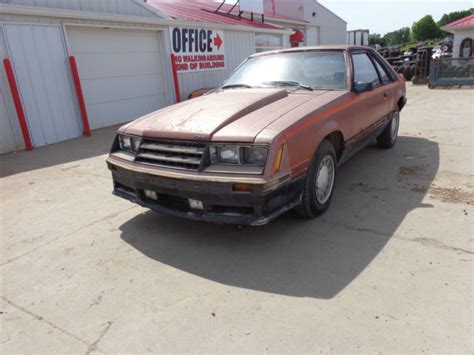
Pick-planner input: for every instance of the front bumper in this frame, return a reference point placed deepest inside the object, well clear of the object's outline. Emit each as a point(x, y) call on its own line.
point(221, 203)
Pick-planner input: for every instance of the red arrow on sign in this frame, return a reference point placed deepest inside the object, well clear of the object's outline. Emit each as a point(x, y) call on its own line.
point(218, 41)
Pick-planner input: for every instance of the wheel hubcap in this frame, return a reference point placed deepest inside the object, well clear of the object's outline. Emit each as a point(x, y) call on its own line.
point(394, 126)
point(325, 179)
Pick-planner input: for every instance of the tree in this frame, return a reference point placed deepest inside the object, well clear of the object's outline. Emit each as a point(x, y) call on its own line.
point(375, 38)
point(425, 29)
point(453, 16)
point(398, 37)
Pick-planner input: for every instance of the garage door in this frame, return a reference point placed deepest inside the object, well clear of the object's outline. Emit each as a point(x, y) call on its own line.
point(9, 140)
point(39, 59)
point(312, 36)
point(121, 73)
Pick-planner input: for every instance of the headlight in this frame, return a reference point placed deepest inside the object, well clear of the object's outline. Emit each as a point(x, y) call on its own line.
point(129, 143)
point(225, 154)
point(238, 155)
point(255, 155)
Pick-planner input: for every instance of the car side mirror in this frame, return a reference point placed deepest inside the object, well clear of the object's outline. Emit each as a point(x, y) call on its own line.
point(360, 87)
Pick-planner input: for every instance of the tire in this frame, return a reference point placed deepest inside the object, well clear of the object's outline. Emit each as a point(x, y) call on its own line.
point(324, 164)
point(388, 137)
point(410, 72)
point(406, 73)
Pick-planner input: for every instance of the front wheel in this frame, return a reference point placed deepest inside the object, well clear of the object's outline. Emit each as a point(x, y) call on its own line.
point(320, 181)
point(388, 137)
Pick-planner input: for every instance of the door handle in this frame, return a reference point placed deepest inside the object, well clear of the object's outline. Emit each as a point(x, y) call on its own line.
point(385, 94)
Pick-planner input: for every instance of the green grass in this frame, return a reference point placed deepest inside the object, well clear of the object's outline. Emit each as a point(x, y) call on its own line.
point(406, 46)
point(429, 43)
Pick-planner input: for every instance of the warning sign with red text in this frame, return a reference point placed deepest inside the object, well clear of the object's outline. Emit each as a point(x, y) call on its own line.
point(198, 49)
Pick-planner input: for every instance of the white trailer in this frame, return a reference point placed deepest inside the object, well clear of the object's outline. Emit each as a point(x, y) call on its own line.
point(358, 37)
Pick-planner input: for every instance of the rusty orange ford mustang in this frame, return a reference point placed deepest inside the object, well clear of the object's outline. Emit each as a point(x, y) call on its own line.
point(268, 140)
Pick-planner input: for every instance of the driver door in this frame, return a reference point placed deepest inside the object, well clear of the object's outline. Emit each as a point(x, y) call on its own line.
point(370, 106)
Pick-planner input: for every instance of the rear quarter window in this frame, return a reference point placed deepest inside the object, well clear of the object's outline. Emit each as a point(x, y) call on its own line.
point(384, 69)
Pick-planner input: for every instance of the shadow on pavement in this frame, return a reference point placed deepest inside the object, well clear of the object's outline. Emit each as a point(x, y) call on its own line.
point(59, 153)
point(296, 257)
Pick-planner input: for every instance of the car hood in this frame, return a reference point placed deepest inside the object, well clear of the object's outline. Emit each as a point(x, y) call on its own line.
point(204, 117)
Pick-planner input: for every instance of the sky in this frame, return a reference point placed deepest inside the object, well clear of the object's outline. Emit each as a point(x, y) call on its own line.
point(384, 16)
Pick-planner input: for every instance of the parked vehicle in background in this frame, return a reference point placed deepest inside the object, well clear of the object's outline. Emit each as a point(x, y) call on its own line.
point(410, 51)
point(270, 139)
point(436, 53)
point(440, 51)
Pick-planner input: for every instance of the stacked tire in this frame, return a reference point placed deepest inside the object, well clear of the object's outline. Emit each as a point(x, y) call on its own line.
point(407, 70)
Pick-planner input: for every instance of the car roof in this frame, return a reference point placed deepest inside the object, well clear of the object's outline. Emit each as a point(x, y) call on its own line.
point(338, 47)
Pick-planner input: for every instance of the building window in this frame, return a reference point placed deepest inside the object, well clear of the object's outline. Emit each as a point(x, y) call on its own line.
point(465, 50)
point(267, 42)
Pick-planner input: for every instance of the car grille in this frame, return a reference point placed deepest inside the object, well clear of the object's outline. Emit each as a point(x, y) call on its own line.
point(171, 154)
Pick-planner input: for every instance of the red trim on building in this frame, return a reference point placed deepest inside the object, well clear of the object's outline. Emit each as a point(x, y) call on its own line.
point(465, 21)
point(204, 11)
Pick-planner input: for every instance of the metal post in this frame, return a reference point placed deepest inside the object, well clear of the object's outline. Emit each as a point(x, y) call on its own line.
point(80, 96)
point(18, 105)
point(175, 77)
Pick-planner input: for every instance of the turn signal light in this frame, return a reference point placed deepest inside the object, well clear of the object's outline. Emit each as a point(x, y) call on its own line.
point(278, 159)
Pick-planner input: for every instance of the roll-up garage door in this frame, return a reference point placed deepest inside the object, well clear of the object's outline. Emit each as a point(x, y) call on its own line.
point(121, 73)
point(39, 59)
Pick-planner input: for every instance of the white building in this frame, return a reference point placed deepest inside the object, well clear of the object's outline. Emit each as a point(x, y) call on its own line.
point(319, 25)
point(463, 31)
point(122, 49)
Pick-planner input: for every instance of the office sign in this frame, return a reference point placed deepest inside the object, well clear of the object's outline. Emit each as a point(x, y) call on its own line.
point(198, 49)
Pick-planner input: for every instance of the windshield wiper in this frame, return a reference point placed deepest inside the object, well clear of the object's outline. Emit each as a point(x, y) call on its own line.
point(288, 83)
point(236, 86)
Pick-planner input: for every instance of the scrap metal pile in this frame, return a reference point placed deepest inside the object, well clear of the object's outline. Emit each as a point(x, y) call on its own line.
point(431, 65)
point(409, 62)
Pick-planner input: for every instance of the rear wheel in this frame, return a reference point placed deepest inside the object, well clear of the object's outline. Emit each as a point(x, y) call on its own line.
point(388, 137)
point(320, 181)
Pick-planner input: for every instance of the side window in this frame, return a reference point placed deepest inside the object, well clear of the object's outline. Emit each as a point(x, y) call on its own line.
point(364, 70)
point(383, 73)
point(267, 42)
point(465, 49)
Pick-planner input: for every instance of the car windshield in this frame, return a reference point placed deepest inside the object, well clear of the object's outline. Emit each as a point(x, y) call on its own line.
point(306, 70)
